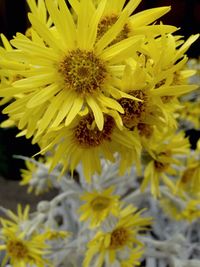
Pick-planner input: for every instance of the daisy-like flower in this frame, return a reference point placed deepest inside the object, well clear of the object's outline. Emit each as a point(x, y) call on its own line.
point(21, 248)
point(71, 71)
point(140, 23)
point(168, 62)
point(164, 152)
point(137, 82)
point(22, 251)
point(16, 220)
point(98, 206)
point(82, 142)
point(121, 244)
point(37, 179)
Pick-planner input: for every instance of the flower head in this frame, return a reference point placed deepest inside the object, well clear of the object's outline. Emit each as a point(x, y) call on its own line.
point(163, 159)
point(121, 243)
point(98, 206)
point(22, 248)
point(82, 142)
point(68, 70)
point(36, 175)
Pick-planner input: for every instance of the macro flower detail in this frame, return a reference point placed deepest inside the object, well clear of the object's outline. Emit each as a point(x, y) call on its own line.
point(72, 72)
point(106, 23)
point(21, 248)
point(101, 90)
point(106, 247)
point(87, 135)
point(98, 206)
point(84, 143)
point(163, 157)
point(83, 72)
point(134, 112)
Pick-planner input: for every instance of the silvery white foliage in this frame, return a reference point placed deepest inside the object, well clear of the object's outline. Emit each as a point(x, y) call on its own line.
point(168, 244)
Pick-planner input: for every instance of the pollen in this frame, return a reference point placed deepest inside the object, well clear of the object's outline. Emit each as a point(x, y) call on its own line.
point(106, 23)
point(119, 238)
point(87, 134)
point(17, 249)
point(83, 72)
point(100, 203)
point(134, 111)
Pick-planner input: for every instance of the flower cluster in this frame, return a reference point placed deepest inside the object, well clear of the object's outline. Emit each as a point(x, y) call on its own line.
point(101, 89)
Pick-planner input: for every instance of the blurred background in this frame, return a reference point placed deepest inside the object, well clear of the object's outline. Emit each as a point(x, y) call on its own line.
point(184, 14)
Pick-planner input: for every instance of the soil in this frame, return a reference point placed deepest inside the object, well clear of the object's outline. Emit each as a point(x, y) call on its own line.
point(11, 193)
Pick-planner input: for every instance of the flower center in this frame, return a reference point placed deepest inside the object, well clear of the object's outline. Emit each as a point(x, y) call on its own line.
point(145, 130)
point(83, 72)
point(88, 135)
point(177, 79)
point(134, 111)
point(187, 175)
point(100, 203)
point(17, 249)
point(119, 238)
point(161, 166)
point(106, 23)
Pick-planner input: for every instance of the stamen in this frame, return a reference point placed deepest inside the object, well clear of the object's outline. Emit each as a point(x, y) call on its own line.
point(87, 136)
point(17, 249)
point(119, 238)
point(106, 23)
point(83, 72)
point(134, 111)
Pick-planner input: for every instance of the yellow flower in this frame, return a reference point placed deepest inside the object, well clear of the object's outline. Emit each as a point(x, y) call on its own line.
point(168, 62)
point(56, 234)
point(190, 211)
point(138, 23)
point(69, 72)
point(22, 251)
point(33, 177)
point(107, 246)
point(163, 153)
point(15, 220)
point(82, 142)
point(7, 76)
point(136, 81)
point(38, 8)
point(98, 206)
point(21, 248)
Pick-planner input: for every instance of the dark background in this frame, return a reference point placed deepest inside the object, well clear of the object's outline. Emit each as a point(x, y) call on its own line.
point(184, 14)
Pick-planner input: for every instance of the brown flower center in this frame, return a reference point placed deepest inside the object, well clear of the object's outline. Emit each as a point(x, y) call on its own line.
point(119, 238)
point(106, 23)
point(145, 130)
point(83, 72)
point(161, 166)
point(17, 249)
point(134, 111)
point(187, 175)
point(88, 135)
